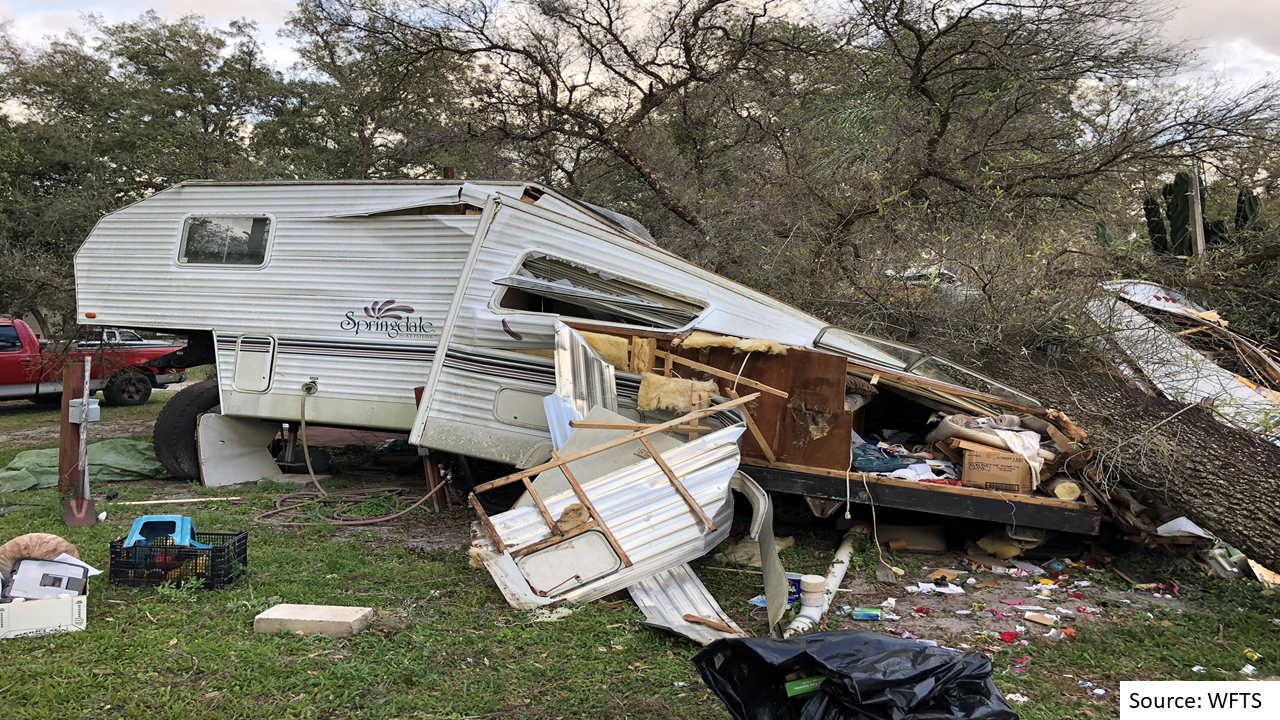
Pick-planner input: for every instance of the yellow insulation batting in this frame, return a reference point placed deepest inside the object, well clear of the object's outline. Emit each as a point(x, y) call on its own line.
point(612, 349)
point(674, 394)
point(700, 339)
point(642, 355)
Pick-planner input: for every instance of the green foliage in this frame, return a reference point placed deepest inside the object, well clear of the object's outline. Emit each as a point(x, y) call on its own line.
point(1104, 235)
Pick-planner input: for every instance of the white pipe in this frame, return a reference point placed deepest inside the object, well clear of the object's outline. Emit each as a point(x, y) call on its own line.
point(811, 615)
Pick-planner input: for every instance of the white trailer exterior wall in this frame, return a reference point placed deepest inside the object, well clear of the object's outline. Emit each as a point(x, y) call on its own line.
point(335, 248)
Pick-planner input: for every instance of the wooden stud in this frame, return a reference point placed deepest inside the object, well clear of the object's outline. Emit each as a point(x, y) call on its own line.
point(489, 529)
point(725, 375)
point(679, 486)
point(180, 502)
point(553, 540)
point(542, 508)
point(557, 460)
point(713, 624)
point(591, 508)
point(591, 425)
point(755, 429)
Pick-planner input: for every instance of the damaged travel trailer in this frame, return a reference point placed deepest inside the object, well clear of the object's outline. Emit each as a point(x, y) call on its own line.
point(337, 300)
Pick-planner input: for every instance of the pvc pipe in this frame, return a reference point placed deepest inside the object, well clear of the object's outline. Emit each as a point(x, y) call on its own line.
point(811, 615)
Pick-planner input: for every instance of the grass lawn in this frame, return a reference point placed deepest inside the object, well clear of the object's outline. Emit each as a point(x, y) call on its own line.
point(446, 644)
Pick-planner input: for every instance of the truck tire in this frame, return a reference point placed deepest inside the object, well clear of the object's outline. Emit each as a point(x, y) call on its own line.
point(175, 432)
point(127, 388)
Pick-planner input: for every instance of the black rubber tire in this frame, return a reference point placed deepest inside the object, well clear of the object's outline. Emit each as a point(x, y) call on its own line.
point(127, 388)
point(175, 432)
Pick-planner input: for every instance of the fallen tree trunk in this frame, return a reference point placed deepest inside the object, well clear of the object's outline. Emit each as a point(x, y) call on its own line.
point(1225, 479)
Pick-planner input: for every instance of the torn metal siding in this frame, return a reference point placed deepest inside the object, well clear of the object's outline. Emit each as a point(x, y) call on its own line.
point(519, 229)
point(665, 598)
point(582, 376)
point(1179, 371)
point(650, 520)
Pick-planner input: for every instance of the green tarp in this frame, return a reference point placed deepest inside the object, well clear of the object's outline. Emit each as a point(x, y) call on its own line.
point(109, 461)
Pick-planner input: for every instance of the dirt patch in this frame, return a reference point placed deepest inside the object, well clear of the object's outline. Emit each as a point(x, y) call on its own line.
point(48, 434)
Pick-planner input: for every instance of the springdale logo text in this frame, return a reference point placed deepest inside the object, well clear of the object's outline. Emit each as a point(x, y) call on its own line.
point(390, 318)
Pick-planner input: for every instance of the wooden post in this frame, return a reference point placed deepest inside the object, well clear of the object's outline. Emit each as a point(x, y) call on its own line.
point(431, 469)
point(70, 469)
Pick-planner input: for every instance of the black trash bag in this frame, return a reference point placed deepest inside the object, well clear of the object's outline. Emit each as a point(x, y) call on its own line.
point(869, 677)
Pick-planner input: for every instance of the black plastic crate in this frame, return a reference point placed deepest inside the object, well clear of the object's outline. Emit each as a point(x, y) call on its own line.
point(160, 563)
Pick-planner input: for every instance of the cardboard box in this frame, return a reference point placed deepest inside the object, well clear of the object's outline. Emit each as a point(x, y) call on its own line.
point(991, 469)
point(32, 618)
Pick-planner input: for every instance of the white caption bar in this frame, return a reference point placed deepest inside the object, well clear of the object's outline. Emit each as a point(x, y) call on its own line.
point(1174, 700)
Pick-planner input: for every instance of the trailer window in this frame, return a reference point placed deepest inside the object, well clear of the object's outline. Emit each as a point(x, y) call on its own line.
point(9, 340)
point(548, 285)
point(224, 240)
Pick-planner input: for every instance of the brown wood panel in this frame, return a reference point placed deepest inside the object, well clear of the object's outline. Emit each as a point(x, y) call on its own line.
point(815, 383)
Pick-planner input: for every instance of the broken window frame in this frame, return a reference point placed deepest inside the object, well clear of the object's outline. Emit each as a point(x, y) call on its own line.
point(918, 362)
point(633, 310)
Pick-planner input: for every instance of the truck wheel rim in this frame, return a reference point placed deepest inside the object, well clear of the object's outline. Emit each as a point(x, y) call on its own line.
point(131, 390)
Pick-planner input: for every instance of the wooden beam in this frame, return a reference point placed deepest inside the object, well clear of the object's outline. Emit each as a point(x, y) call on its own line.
point(955, 502)
point(591, 425)
point(70, 471)
point(874, 480)
point(723, 374)
point(755, 429)
point(713, 624)
point(542, 509)
point(553, 540)
point(679, 486)
point(910, 379)
point(489, 529)
point(557, 460)
point(180, 502)
point(591, 508)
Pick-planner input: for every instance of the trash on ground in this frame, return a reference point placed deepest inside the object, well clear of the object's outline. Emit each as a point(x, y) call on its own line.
point(43, 586)
point(884, 677)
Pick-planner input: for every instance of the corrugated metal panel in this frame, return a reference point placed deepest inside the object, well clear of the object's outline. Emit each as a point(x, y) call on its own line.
point(319, 270)
point(1177, 370)
point(648, 517)
point(582, 376)
point(665, 598)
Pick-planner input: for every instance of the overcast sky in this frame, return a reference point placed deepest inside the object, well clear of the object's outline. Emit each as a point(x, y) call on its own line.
point(1241, 38)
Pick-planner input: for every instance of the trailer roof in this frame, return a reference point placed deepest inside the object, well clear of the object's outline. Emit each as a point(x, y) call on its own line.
point(618, 220)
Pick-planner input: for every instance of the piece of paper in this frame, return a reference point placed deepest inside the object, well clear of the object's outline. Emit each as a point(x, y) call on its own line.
point(1041, 619)
point(65, 558)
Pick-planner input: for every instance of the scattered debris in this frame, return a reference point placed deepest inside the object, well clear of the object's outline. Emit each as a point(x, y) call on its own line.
point(903, 678)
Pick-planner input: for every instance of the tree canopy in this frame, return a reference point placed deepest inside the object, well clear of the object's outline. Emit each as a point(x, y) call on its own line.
point(826, 154)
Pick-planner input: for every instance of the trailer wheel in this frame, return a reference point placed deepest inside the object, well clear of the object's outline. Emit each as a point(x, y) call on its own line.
point(175, 432)
point(128, 388)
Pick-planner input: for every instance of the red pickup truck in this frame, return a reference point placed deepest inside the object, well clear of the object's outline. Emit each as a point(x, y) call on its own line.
point(31, 370)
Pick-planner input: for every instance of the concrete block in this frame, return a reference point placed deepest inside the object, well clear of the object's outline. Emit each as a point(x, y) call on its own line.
point(334, 620)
